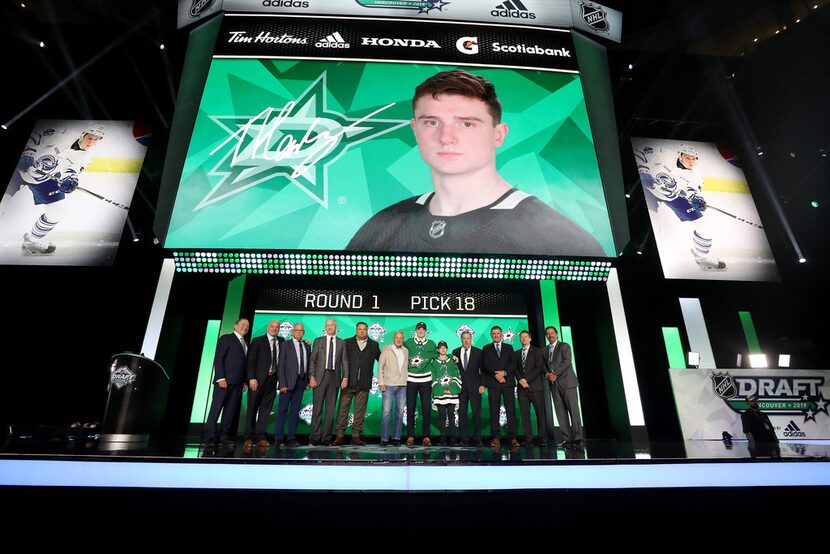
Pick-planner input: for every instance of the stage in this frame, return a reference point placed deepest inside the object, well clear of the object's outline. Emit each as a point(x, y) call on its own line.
point(183, 463)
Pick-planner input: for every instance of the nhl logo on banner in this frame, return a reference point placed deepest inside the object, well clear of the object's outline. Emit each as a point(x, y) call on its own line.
point(724, 385)
point(198, 7)
point(437, 229)
point(465, 329)
point(377, 332)
point(594, 16)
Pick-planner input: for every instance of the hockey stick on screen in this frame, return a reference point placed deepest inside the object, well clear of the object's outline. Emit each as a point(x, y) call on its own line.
point(758, 225)
point(60, 180)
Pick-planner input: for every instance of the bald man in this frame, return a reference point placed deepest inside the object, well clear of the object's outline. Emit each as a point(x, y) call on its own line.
point(329, 373)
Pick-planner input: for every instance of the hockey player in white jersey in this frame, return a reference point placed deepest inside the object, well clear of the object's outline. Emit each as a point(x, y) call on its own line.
point(673, 182)
point(51, 166)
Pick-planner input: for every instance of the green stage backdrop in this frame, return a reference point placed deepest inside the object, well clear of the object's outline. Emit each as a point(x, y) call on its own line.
point(445, 328)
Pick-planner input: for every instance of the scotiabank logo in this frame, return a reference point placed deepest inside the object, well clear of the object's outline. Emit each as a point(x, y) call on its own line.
point(467, 45)
point(531, 49)
point(405, 42)
point(513, 9)
point(285, 3)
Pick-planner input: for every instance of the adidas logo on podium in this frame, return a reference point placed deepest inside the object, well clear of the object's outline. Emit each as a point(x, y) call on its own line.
point(333, 40)
point(514, 9)
point(792, 431)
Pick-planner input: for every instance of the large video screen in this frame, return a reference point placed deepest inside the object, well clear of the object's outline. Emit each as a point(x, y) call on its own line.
point(68, 197)
point(327, 154)
point(705, 222)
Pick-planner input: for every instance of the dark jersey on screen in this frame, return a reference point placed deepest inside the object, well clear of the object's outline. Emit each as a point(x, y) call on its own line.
point(515, 224)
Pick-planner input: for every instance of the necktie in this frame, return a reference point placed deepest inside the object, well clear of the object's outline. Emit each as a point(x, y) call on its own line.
point(498, 349)
point(273, 355)
point(550, 354)
point(330, 363)
point(466, 359)
point(244, 347)
point(301, 369)
point(524, 356)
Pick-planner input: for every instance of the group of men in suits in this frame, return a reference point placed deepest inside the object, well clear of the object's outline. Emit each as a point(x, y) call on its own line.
point(501, 370)
point(332, 365)
point(328, 366)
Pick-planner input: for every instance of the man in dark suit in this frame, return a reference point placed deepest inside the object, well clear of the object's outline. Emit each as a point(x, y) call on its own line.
point(263, 359)
point(497, 367)
point(563, 384)
point(329, 373)
point(293, 381)
point(468, 359)
point(228, 380)
point(530, 371)
point(362, 352)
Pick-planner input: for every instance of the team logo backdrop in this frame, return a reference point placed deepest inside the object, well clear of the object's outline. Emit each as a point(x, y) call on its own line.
point(710, 401)
point(727, 229)
point(67, 199)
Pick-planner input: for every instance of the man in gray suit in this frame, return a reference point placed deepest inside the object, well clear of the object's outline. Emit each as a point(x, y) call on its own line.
point(563, 385)
point(329, 372)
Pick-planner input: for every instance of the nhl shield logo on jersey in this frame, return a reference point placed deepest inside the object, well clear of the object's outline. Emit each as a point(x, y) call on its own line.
point(594, 16)
point(285, 329)
point(465, 329)
point(724, 385)
point(377, 332)
point(437, 229)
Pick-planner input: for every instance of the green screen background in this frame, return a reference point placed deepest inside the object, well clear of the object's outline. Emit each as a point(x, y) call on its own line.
point(440, 328)
point(549, 152)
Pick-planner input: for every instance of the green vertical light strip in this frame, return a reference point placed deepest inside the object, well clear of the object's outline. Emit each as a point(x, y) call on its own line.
point(674, 347)
point(749, 333)
point(200, 397)
point(233, 304)
point(550, 304)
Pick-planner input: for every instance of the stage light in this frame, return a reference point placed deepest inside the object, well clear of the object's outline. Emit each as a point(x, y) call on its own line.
point(161, 47)
point(802, 260)
point(738, 360)
point(630, 66)
point(42, 45)
point(823, 152)
point(777, 31)
point(814, 203)
point(694, 359)
point(4, 127)
point(758, 360)
point(627, 195)
point(755, 39)
point(815, 6)
point(798, 21)
point(640, 252)
point(783, 360)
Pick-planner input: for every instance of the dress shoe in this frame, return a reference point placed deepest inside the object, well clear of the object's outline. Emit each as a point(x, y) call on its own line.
point(357, 442)
point(410, 441)
point(564, 444)
point(227, 443)
point(396, 442)
point(495, 443)
point(384, 443)
point(248, 445)
point(338, 441)
point(514, 443)
point(577, 443)
point(426, 442)
point(313, 442)
point(293, 443)
point(441, 441)
point(263, 443)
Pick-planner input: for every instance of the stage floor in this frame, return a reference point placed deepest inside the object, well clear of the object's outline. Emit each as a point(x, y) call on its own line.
point(185, 463)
